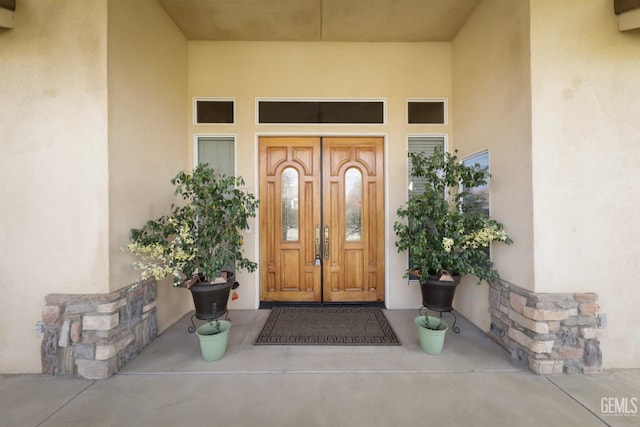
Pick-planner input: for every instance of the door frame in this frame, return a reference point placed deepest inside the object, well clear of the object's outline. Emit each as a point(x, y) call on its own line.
point(385, 149)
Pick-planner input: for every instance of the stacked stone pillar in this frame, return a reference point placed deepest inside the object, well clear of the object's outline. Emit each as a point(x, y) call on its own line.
point(95, 335)
point(553, 333)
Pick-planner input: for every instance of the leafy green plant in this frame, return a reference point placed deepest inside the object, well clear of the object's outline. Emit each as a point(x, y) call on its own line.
point(200, 238)
point(442, 234)
point(434, 324)
point(215, 328)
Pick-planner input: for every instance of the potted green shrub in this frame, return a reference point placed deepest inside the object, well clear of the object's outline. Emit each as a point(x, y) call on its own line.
point(200, 241)
point(442, 228)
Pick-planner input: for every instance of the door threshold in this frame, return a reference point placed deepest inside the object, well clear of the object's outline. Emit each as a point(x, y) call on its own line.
point(267, 305)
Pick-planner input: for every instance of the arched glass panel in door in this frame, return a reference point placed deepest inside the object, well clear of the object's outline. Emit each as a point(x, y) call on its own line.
point(290, 220)
point(353, 205)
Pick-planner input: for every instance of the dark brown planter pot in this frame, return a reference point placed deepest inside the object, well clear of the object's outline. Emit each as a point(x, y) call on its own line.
point(438, 295)
point(210, 300)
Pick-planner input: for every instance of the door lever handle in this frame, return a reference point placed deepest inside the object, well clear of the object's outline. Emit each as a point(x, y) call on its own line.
point(318, 254)
point(326, 242)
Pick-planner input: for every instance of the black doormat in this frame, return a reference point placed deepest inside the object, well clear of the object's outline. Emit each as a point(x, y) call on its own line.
point(327, 326)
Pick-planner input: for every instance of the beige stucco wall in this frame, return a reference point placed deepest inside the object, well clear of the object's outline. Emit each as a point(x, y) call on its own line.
point(53, 166)
point(585, 155)
point(93, 129)
point(492, 110)
point(393, 71)
point(148, 141)
point(562, 148)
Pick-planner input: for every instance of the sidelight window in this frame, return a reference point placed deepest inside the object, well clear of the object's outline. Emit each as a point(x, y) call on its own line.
point(421, 144)
point(218, 151)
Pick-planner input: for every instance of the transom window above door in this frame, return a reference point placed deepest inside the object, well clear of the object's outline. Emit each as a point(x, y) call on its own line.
point(307, 111)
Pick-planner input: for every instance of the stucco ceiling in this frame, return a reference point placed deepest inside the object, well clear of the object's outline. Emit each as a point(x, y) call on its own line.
point(320, 20)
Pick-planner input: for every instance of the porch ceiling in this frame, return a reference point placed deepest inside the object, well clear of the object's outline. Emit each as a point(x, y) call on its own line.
point(320, 20)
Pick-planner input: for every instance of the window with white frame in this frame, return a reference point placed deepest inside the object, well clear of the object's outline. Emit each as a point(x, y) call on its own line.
point(421, 144)
point(425, 144)
point(478, 197)
point(427, 111)
point(309, 111)
point(218, 151)
point(207, 111)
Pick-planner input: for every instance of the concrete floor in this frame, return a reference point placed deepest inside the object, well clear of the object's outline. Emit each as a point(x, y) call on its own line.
point(472, 383)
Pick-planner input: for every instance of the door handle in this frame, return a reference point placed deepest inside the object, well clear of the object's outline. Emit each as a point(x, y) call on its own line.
point(318, 253)
point(326, 242)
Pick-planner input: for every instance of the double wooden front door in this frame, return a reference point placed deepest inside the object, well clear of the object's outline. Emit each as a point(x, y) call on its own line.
point(321, 219)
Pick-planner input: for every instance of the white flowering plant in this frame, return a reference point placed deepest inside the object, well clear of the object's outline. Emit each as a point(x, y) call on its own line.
point(202, 237)
point(442, 226)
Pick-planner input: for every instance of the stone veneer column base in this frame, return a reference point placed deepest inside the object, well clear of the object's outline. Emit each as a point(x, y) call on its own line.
point(94, 335)
point(552, 333)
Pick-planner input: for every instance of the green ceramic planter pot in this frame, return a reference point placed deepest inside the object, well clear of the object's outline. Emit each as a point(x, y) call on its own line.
point(213, 345)
point(431, 341)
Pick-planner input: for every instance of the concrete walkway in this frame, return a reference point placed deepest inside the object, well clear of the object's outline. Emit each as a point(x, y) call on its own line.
point(472, 383)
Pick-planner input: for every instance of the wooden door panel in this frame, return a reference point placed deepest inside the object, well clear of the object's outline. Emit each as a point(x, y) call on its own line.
point(353, 271)
point(288, 271)
point(355, 267)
